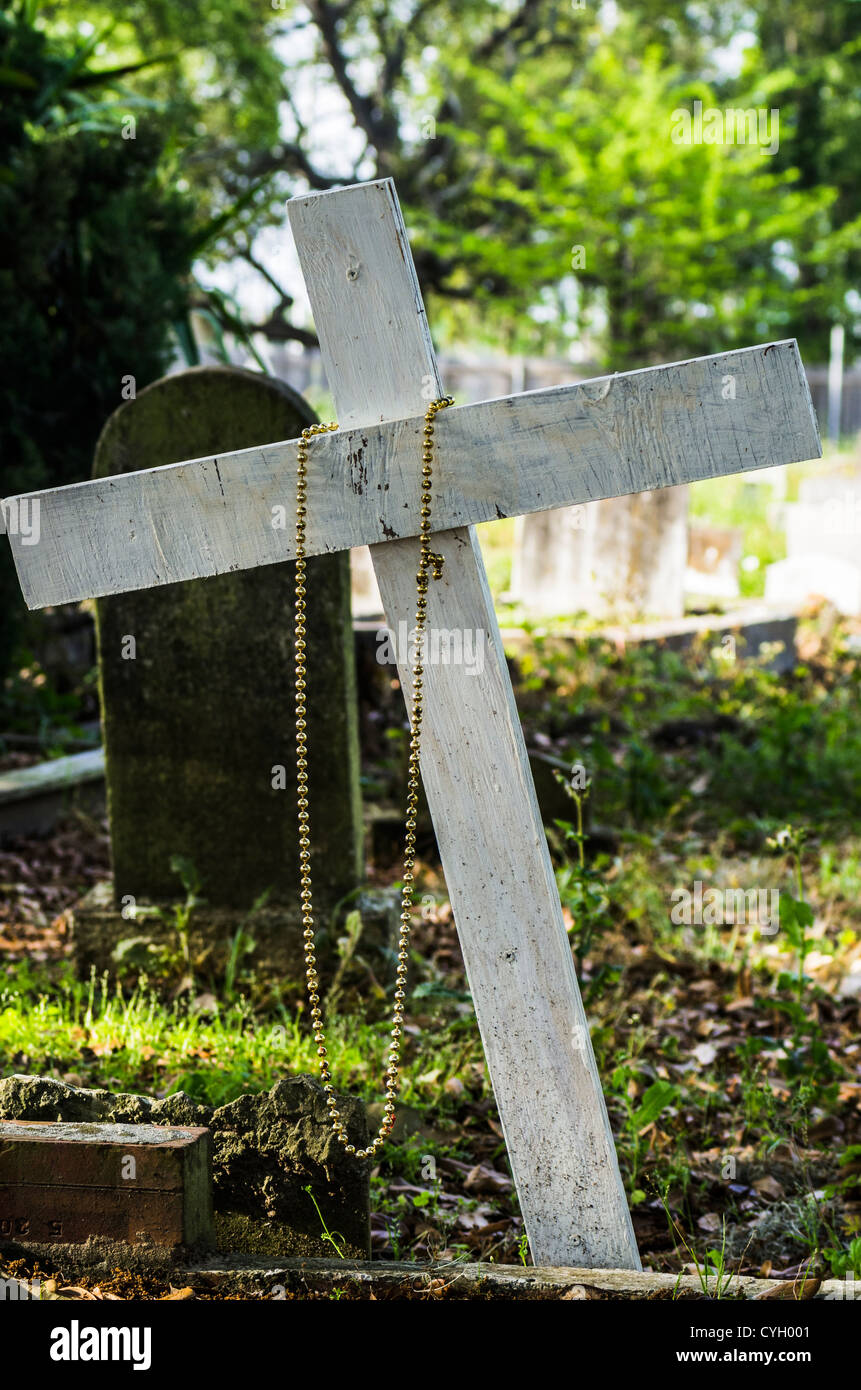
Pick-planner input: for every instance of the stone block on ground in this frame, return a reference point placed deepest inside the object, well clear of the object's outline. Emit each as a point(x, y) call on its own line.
point(802, 578)
point(760, 631)
point(68, 1183)
point(267, 1150)
point(33, 799)
point(463, 1280)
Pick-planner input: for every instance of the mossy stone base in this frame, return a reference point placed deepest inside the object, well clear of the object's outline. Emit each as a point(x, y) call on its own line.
point(102, 938)
point(267, 1150)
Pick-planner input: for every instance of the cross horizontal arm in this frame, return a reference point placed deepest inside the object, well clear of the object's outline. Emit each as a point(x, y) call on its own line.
point(627, 433)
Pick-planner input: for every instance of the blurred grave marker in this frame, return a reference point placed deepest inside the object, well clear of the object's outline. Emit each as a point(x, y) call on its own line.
point(622, 558)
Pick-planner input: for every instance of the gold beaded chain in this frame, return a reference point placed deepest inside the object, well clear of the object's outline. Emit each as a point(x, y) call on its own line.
point(427, 561)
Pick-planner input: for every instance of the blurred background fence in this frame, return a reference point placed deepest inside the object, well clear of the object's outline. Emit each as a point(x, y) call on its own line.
point(483, 378)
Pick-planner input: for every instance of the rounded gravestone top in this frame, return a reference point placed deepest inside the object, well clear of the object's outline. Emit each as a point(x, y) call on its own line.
point(193, 413)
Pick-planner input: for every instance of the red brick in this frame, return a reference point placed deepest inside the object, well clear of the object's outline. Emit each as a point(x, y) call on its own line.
point(62, 1183)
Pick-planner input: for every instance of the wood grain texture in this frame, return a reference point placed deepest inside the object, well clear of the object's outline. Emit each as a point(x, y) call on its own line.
point(621, 434)
point(379, 361)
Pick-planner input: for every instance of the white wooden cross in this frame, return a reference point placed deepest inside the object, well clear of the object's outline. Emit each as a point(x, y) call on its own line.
point(626, 433)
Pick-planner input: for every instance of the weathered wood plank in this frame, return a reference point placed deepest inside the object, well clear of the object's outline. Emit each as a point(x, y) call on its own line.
point(543, 449)
point(33, 799)
point(54, 775)
point(379, 360)
point(273, 1278)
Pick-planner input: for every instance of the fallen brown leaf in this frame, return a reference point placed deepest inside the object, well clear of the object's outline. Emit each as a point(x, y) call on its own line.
point(793, 1290)
point(483, 1179)
point(769, 1187)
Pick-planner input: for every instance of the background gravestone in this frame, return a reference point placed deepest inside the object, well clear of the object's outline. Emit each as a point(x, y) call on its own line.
point(621, 558)
point(823, 556)
point(199, 710)
point(714, 561)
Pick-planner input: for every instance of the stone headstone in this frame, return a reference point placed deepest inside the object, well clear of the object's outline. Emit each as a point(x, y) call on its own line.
point(823, 544)
point(620, 558)
point(826, 519)
point(801, 578)
point(714, 558)
point(197, 684)
point(366, 592)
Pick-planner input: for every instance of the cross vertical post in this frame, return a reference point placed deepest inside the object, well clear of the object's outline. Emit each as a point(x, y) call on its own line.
point(380, 365)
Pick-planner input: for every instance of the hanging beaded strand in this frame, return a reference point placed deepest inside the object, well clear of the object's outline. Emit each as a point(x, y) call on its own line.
point(427, 561)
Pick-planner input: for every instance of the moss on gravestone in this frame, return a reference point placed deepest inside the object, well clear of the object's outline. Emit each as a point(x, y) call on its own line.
point(43, 1098)
point(198, 708)
point(267, 1150)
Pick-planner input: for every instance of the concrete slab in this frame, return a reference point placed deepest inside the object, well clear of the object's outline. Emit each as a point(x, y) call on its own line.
point(758, 628)
point(488, 1282)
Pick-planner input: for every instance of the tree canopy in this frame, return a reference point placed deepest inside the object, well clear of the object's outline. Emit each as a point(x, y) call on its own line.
point(518, 131)
point(95, 249)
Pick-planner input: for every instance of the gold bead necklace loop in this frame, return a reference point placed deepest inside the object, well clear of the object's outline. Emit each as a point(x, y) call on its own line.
point(427, 561)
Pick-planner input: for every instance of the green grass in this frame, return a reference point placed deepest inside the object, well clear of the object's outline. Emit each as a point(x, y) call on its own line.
point(703, 809)
point(789, 746)
point(139, 1042)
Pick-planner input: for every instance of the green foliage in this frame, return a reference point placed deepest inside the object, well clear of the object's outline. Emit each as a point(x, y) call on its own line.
point(807, 58)
point(518, 132)
point(796, 916)
point(753, 747)
point(641, 1110)
point(677, 241)
point(94, 251)
point(806, 1055)
point(31, 704)
point(845, 1259)
point(333, 1238)
point(582, 886)
point(213, 1049)
point(655, 1100)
